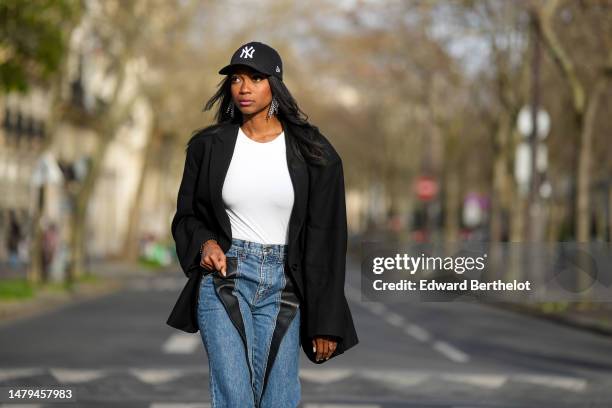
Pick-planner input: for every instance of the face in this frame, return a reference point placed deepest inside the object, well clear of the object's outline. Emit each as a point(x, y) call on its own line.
point(250, 90)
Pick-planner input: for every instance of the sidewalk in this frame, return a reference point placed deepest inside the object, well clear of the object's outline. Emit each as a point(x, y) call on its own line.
point(595, 317)
point(111, 276)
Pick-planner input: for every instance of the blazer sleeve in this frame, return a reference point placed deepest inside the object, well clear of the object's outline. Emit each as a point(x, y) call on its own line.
point(188, 230)
point(325, 251)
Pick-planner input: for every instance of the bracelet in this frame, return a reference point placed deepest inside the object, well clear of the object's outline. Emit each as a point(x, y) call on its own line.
point(204, 244)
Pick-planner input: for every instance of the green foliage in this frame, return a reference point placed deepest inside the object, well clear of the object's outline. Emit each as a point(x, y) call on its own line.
point(33, 39)
point(20, 288)
point(15, 289)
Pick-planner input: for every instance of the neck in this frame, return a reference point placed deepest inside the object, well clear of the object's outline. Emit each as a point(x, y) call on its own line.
point(260, 124)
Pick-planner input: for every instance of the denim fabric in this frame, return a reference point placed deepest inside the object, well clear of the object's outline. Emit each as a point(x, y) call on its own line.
point(238, 370)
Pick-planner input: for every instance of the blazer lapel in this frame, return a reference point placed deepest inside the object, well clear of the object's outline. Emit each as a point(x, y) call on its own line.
point(299, 178)
point(222, 151)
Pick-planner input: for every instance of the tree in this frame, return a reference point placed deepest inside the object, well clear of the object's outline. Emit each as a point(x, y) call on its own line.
point(585, 99)
point(33, 40)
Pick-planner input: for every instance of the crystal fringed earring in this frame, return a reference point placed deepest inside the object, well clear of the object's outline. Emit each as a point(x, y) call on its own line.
point(273, 107)
point(230, 109)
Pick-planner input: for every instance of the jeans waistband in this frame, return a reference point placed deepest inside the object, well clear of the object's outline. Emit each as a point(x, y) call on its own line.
point(279, 250)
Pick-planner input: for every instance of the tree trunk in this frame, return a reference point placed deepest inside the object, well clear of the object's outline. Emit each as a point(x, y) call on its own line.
point(609, 212)
point(52, 122)
point(583, 219)
point(79, 218)
point(452, 204)
point(130, 246)
point(500, 177)
point(109, 123)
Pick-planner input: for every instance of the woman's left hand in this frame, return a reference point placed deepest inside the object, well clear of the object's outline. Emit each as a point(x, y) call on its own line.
point(324, 346)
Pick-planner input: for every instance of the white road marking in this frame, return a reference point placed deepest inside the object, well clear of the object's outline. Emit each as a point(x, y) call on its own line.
point(14, 373)
point(414, 330)
point(417, 332)
point(376, 308)
point(325, 376)
point(397, 378)
point(394, 319)
point(481, 380)
point(317, 405)
point(568, 383)
point(390, 377)
point(182, 343)
point(66, 376)
point(10, 405)
point(451, 352)
point(156, 376)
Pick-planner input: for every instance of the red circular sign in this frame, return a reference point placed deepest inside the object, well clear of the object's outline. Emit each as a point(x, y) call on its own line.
point(426, 188)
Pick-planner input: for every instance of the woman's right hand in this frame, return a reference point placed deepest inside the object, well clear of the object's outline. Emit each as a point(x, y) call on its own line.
point(213, 257)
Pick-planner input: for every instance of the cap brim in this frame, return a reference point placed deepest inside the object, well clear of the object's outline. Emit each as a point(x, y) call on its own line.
point(229, 68)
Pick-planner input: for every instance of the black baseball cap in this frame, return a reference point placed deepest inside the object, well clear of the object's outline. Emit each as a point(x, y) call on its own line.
point(258, 56)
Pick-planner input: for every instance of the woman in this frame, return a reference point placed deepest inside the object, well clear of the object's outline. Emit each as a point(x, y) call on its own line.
point(261, 217)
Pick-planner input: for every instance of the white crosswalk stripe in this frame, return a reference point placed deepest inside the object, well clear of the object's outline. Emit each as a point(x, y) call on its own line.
point(7, 374)
point(324, 405)
point(574, 384)
point(490, 381)
point(399, 379)
point(182, 343)
point(11, 405)
point(156, 376)
point(67, 376)
point(324, 376)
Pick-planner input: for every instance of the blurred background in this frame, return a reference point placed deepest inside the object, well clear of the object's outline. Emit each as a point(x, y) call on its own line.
point(456, 120)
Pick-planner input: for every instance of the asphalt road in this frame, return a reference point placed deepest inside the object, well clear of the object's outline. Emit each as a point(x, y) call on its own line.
point(117, 351)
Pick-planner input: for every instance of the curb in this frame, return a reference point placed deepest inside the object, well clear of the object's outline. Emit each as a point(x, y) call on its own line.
point(46, 301)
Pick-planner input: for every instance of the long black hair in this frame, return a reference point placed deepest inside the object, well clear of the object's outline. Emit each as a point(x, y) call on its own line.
point(304, 133)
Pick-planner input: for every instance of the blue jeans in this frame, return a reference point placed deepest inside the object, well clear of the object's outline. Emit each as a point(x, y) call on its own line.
point(249, 325)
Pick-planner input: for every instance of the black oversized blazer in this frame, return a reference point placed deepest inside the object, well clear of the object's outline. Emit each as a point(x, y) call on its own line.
point(317, 229)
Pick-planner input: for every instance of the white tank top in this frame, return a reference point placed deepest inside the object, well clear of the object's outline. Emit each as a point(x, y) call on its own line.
point(257, 191)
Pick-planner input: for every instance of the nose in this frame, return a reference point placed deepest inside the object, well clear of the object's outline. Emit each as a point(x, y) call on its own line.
point(244, 88)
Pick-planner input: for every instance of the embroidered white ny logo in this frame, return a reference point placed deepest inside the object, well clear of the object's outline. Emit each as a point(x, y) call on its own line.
point(247, 52)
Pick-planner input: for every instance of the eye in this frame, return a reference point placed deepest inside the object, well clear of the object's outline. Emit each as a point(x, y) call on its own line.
point(234, 78)
point(257, 77)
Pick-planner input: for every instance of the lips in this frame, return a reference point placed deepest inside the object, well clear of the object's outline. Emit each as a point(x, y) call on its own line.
point(246, 102)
